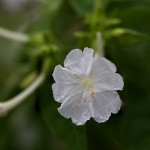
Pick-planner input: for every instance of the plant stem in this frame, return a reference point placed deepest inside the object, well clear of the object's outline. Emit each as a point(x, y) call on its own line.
point(13, 35)
point(5, 107)
point(8, 105)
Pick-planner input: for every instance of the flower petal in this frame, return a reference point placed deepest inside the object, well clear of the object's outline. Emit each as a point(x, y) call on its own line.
point(87, 59)
point(76, 108)
point(106, 64)
point(62, 91)
point(79, 62)
point(104, 76)
point(105, 103)
point(88, 51)
point(61, 74)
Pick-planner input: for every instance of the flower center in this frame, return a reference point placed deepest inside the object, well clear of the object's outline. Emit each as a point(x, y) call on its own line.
point(87, 84)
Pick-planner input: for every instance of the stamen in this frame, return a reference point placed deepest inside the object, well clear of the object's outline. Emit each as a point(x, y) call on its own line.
point(78, 103)
point(92, 93)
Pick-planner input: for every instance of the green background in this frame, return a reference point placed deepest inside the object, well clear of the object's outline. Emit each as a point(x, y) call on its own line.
point(55, 28)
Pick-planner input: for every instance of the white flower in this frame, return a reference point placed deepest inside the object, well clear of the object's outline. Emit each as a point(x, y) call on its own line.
point(86, 87)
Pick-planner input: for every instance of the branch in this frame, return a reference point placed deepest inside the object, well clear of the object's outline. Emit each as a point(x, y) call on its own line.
point(13, 35)
point(5, 107)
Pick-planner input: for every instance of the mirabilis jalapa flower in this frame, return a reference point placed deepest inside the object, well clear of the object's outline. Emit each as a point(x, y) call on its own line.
point(86, 87)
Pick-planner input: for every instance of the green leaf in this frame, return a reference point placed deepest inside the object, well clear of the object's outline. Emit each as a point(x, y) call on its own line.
point(112, 21)
point(82, 7)
point(68, 135)
point(135, 18)
point(126, 36)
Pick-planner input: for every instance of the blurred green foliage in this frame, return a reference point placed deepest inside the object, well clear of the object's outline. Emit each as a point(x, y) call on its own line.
point(63, 25)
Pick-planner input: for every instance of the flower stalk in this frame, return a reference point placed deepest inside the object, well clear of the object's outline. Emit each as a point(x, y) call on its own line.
point(16, 36)
point(5, 107)
point(100, 48)
point(10, 104)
